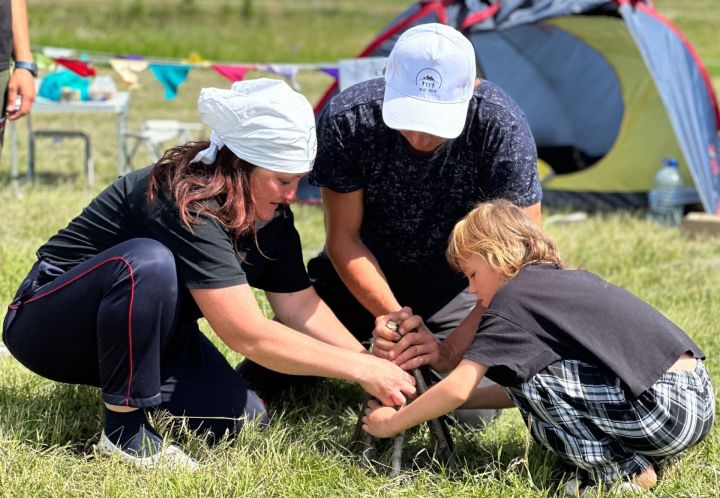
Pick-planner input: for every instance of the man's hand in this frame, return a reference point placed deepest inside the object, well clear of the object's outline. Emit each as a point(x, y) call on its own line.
point(386, 382)
point(410, 346)
point(21, 84)
point(384, 337)
point(378, 420)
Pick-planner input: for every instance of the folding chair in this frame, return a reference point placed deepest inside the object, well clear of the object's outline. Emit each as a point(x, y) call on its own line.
point(156, 135)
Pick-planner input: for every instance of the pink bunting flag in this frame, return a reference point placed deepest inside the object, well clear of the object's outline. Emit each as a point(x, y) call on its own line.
point(78, 67)
point(233, 73)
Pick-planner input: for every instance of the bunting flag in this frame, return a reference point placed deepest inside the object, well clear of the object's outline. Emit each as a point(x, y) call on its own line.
point(195, 58)
point(332, 71)
point(287, 71)
point(171, 73)
point(44, 62)
point(78, 67)
point(232, 72)
point(129, 71)
point(171, 76)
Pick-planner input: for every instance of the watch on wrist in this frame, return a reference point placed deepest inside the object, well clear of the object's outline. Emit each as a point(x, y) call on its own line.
point(28, 66)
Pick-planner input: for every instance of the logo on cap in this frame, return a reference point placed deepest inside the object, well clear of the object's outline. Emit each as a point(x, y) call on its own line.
point(428, 81)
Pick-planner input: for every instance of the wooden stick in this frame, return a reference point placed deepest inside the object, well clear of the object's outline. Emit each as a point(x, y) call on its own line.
point(439, 431)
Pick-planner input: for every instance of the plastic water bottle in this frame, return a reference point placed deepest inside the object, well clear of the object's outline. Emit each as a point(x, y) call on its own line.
point(666, 197)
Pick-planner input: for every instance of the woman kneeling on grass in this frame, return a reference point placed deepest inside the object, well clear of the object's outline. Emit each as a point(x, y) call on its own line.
point(601, 378)
point(114, 298)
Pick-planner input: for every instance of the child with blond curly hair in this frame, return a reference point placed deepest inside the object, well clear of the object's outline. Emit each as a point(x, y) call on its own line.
point(601, 378)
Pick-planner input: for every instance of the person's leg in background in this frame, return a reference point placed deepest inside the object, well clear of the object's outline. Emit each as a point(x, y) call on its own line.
point(4, 76)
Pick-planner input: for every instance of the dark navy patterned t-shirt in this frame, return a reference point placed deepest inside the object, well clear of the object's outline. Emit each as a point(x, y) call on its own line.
point(412, 200)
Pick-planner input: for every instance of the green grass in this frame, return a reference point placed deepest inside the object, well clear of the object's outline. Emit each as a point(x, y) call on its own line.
point(277, 30)
point(47, 429)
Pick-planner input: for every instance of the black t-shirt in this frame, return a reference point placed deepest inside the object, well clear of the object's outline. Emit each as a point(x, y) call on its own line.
point(6, 34)
point(546, 314)
point(204, 254)
point(413, 200)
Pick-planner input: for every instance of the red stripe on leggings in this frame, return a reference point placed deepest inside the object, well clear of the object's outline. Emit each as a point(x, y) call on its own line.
point(132, 299)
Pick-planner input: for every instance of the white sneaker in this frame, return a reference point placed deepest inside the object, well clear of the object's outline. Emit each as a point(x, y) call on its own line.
point(3, 350)
point(170, 456)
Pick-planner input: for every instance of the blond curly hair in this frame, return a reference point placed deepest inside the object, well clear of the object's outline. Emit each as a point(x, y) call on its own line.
point(504, 236)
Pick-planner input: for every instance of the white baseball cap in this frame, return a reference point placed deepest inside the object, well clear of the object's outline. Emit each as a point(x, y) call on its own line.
point(429, 81)
point(263, 121)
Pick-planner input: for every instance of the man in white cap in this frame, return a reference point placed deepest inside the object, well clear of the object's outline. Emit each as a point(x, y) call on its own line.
point(400, 160)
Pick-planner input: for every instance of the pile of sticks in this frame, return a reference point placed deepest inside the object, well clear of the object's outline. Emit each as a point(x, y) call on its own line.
point(364, 443)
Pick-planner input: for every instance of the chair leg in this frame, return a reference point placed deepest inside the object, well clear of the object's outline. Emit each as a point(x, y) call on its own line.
point(31, 158)
point(89, 166)
point(129, 154)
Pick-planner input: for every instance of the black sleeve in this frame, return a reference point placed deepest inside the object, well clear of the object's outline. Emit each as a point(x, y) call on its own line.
point(204, 254)
point(280, 267)
point(512, 157)
point(336, 165)
point(512, 353)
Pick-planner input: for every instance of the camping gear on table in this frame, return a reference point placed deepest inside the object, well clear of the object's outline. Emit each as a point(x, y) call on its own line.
point(608, 87)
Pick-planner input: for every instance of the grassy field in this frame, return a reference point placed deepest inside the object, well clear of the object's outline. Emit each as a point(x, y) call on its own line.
point(47, 429)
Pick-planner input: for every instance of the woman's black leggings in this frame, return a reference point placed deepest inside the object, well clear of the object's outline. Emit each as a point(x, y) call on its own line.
point(115, 322)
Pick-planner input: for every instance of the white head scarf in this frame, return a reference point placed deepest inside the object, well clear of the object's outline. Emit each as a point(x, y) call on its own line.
point(262, 121)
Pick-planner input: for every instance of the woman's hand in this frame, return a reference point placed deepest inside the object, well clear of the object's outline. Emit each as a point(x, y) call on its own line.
point(378, 420)
point(410, 346)
point(386, 381)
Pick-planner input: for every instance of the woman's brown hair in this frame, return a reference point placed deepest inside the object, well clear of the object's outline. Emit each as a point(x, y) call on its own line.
point(193, 185)
point(504, 236)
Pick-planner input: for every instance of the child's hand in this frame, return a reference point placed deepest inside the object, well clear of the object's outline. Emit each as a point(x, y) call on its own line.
point(378, 420)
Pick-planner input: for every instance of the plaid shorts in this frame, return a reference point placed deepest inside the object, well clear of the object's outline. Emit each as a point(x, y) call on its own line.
point(581, 413)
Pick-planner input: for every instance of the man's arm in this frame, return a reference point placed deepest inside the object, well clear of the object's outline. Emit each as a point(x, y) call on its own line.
point(21, 83)
point(353, 261)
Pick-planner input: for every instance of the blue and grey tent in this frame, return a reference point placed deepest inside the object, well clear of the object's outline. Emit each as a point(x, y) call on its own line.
point(609, 88)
